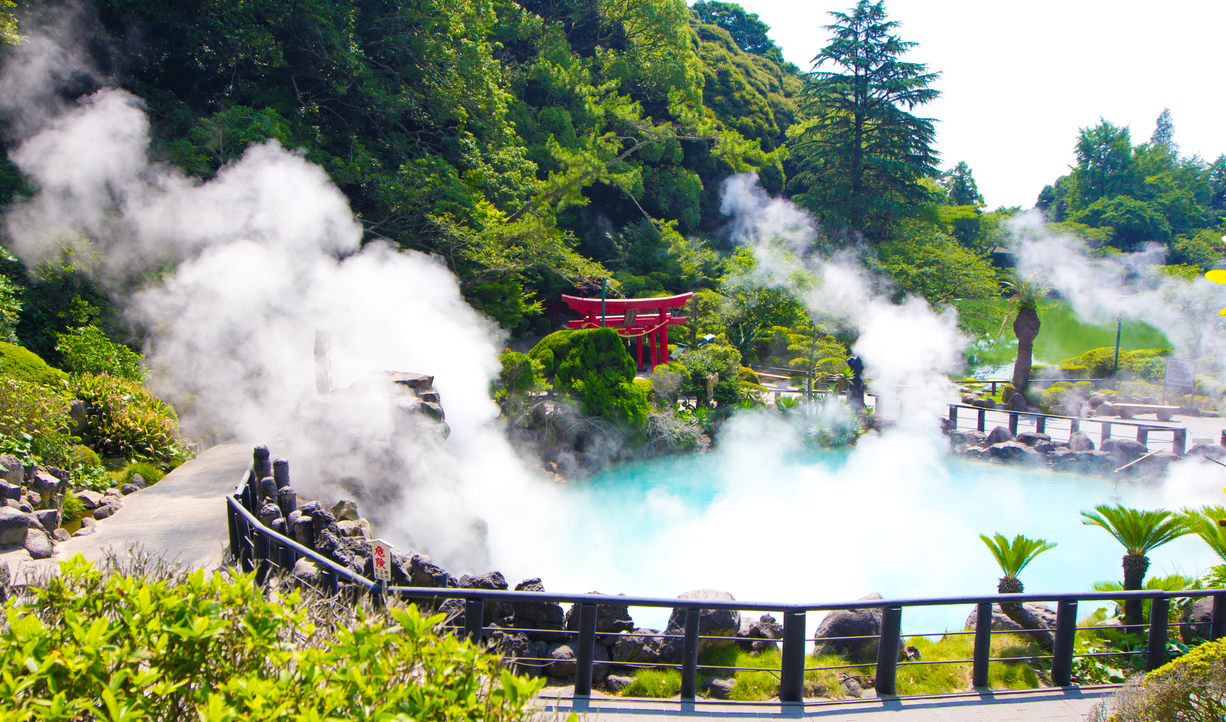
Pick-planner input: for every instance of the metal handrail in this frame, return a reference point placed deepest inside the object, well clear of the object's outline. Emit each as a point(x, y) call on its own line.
point(258, 548)
point(1179, 434)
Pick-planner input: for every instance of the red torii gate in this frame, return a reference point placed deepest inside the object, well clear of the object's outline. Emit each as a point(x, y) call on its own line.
point(633, 318)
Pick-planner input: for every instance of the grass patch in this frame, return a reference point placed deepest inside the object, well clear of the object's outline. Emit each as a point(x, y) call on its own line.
point(654, 684)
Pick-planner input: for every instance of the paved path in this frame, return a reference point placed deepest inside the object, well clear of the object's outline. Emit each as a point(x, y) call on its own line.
point(181, 518)
point(1056, 704)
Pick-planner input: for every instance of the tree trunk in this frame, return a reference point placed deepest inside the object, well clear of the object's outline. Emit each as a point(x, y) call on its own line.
point(1023, 617)
point(1026, 328)
point(1135, 566)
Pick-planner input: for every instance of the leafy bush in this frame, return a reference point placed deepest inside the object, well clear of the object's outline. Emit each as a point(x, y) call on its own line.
point(72, 506)
point(122, 419)
point(1147, 364)
point(19, 363)
point(109, 646)
point(87, 350)
point(593, 367)
point(33, 423)
point(717, 357)
point(1192, 687)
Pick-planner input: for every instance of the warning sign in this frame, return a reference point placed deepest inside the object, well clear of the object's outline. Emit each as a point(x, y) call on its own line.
point(382, 560)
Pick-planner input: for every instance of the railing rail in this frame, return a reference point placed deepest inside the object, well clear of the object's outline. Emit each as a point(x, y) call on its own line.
point(1179, 434)
point(257, 548)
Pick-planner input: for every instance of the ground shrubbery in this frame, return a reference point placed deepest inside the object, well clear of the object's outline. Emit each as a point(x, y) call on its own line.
point(1147, 364)
point(122, 419)
point(593, 367)
point(167, 646)
point(1193, 687)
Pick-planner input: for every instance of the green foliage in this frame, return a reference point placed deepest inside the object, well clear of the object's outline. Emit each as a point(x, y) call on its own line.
point(32, 423)
point(151, 473)
point(1205, 523)
point(24, 365)
point(1147, 364)
point(1192, 687)
point(717, 361)
point(1202, 251)
point(129, 647)
point(72, 506)
point(1014, 556)
point(934, 265)
point(594, 368)
point(123, 419)
point(863, 156)
point(1140, 532)
point(87, 350)
point(520, 372)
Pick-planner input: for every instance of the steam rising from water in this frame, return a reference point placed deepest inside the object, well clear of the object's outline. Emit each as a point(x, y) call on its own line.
point(267, 252)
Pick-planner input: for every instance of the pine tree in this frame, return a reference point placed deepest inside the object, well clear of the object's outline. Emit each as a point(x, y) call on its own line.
point(1164, 132)
point(862, 159)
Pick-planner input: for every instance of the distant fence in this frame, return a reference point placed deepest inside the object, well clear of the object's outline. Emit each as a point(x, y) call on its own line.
point(258, 548)
point(1068, 425)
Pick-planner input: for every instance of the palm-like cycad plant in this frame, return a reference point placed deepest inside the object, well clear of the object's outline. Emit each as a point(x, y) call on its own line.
point(1140, 532)
point(1206, 523)
point(1013, 558)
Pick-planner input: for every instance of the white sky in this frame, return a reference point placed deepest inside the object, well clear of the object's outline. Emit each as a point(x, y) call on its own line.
point(1019, 79)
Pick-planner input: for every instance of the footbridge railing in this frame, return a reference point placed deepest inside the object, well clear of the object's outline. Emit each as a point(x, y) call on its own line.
point(1108, 427)
point(257, 548)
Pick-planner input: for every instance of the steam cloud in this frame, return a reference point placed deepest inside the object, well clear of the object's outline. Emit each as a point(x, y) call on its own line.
point(267, 252)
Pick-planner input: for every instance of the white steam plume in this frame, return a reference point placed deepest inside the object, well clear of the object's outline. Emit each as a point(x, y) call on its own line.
point(908, 349)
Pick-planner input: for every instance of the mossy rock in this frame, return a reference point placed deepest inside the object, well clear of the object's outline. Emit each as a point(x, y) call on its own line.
point(24, 364)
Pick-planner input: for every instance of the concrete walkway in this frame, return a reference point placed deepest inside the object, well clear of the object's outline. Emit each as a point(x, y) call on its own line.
point(182, 518)
point(1053, 704)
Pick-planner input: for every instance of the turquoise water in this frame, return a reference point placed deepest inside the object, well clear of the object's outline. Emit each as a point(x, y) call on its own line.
point(769, 522)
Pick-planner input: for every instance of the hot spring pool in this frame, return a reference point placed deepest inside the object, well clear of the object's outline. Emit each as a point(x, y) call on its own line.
point(768, 522)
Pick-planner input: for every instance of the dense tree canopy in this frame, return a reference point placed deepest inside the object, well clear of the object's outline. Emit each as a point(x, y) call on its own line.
point(864, 154)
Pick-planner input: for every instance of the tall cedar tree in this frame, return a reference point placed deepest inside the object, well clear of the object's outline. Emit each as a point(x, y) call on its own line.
point(862, 159)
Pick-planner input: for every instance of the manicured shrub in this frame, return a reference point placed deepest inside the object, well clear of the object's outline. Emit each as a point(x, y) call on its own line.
point(87, 350)
point(713, 358)
point(1148, 364)
point(593, 367)
point(1193, 687)
point(91, 645)
point(20, 363)
point(122, 419)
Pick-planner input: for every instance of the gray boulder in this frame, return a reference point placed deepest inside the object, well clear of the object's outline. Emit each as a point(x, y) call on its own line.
point(306, 570)
point(561, 658)
point(759, 635)
point(11, 470)
point(1196, 622)
point(345, 510)
point(13, 526)
point(269, 513)
point(60, 535)
point(39, 544)
point(1124, 451)
point(610, 618)
point(711, 622)
point(43, 484)
point(1080, 441)
point(90, 499)
point(1014, 453)
point(853, 633)
point(969, 438)
point(10, 491)
point(426, 573)
point(1002, 623)
point(48, 519)
point(1095, 463)
point(302, 530)
point(1016, 402)
point(640, 646)
point(129, 489)
point(616, 683)
point(531, 614)
point(1032, 438)
point(718, 687)
point(1209, 451)
point(999, 435)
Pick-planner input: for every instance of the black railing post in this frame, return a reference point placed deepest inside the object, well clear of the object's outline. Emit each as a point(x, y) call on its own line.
point(983, 419)
point(260, 557)
point(1217, 629)
point(587, 650)
point(1179, 441)
point(887, 650)
point(1040, 424)
point(1156, 652)
point(689, 655)
point(792, 676)
point(232, 525)
point(1106, 431)
point(953, 417)
point(1013, 423)
point(983, 644)
point(1074, 426)
point(329, 581)
point(474, 612)
point(1062, 654)
point(1142, 436)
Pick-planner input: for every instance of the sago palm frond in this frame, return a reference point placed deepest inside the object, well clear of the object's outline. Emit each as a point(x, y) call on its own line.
point(1139, 531)
point(1014, 556)
point(1205, 524)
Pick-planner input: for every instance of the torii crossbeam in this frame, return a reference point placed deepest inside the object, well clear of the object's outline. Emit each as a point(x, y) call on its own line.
point(634, 318)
